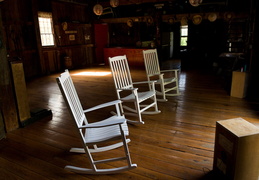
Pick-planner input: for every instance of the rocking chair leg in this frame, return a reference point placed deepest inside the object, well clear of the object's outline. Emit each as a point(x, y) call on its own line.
point(163, 91)
point(137, 107)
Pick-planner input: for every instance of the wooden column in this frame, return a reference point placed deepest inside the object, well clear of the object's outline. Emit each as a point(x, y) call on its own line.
point(2, 131)
point(7, 97)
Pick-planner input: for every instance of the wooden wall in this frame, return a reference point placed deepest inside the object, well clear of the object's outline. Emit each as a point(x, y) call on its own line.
point(23, 42)
point(20, 34)
point(20, 41)
point(9, 114)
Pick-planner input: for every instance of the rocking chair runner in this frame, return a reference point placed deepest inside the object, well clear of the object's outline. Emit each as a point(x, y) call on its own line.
point(167, 85)
point(123, 83)
point(92, 134)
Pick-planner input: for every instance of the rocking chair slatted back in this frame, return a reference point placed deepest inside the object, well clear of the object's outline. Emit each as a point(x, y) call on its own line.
point(167, 80)
point(135, 101)
point(121, 72)
point(72, 99)
point(151, 62)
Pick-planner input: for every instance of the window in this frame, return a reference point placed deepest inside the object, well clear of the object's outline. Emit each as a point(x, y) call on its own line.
point(46, 29)
point(184, 35)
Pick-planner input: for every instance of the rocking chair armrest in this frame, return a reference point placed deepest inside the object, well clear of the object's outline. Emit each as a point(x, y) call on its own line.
point(104, 124)
point(169, 70)
point(161, 76)
point(143, 82)
point(103, 105)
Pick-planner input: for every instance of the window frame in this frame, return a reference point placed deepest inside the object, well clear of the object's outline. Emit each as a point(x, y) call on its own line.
point(185, 35)
point(48, 16)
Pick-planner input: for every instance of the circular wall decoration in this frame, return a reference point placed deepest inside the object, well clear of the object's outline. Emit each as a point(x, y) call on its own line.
point(196, 19)
point(150, 21)
point(171, 20)
point(130, 23)
point(195, 3)
point(98, 9)
point(64, 26)
point(114, 3)
point(228, 16)
point(212, 17)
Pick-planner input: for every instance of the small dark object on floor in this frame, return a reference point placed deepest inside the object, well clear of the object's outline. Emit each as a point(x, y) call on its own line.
point(37, 114)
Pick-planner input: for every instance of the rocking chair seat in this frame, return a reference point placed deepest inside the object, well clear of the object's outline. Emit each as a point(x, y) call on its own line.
point(98, 135)
point(141, 96)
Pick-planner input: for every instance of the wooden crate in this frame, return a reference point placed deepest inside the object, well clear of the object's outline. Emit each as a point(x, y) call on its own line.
point(239, 84)
point(236, 152)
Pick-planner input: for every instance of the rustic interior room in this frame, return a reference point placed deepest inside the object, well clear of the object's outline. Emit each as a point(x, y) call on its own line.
point(209, 130)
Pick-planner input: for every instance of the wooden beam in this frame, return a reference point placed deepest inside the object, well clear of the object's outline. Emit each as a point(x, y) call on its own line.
point(176, 17)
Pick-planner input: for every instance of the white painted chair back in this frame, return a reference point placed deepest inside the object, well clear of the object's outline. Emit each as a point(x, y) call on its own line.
point(72, 99)
point(123, 83)
point(168, 86)
point(93, 134)
point(151, 62)
point(121, 72)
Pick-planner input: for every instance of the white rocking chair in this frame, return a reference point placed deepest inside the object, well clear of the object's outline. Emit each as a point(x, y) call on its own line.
point(123, 83)
point(92, 134)
point(168, 86)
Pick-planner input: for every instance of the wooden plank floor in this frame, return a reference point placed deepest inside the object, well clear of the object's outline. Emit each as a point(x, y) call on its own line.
point(178, 143)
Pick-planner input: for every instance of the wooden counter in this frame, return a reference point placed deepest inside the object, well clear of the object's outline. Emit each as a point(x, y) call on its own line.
point(134, 55)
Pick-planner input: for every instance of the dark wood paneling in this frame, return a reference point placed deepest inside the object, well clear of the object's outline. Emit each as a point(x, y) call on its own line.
point(69, 12)
point(75, 34)
point(51, 60)
point(81, 56)
point(7, 97)
point(55, 58)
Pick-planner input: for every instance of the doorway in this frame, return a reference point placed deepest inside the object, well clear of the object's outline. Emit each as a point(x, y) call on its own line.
point(101, 41)
point(167, 45)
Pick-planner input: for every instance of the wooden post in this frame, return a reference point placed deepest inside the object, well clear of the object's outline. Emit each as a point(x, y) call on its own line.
point(2, 131)
point(7, 96)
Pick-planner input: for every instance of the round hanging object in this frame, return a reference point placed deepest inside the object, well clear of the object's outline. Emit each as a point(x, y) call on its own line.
point(228, 16)
point(149, 21)
point(130, 23)
point(114, 3)
point(212, 17)
point(98, 9)
point(196, 19)
point(171, 20)
point(195, 2)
